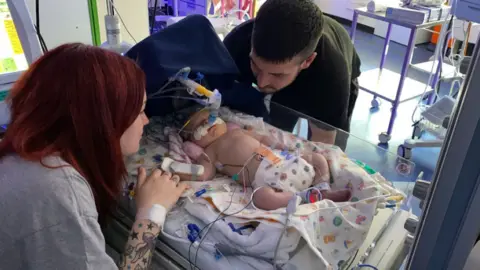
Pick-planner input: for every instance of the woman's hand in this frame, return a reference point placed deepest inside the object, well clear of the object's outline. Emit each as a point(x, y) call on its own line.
point(158, 188)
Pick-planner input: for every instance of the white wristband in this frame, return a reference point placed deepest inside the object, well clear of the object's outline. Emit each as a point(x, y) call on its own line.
point(155, 214)
point(323, 186)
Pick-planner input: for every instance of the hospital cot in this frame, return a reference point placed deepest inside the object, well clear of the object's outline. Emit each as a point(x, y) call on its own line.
point(385, 244)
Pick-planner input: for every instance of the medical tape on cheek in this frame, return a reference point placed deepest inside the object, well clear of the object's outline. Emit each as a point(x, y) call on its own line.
point(202, 130)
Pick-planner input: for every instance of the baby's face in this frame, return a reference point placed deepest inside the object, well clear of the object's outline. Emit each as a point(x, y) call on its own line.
point(202, 132)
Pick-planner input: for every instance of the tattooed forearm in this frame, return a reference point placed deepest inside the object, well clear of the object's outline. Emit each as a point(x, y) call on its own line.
point(139, 249)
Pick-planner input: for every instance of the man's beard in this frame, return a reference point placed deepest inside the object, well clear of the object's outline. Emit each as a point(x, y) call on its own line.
point(266, 90)
point(269, 90)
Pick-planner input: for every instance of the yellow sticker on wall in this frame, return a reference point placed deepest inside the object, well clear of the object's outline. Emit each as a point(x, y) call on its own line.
point(13, 37)
point(9, 65)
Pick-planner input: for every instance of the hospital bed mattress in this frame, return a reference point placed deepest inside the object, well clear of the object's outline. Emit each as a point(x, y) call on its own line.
point(174, 251)
point(172, 254)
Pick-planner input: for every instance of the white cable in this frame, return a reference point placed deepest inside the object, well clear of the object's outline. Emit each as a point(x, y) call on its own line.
point(251, 196)
point(277, 247)
point(331, 208)
point(229, 24)
point(308, 242)
point(166, 91)
point(183, 240)
point(246, 163)
point(124, 25)
point(170, 80)
point(244, 13)
point(438, 49)
point(456, 59)
point(178, 97)
point(452, 86)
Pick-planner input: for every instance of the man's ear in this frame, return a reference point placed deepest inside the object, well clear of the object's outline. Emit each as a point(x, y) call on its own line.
point(306, 64)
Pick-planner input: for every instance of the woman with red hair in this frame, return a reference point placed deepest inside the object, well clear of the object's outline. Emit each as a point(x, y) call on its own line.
point(75, 114)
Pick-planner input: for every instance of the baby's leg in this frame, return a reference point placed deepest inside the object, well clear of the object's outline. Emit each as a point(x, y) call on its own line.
point(322, 178)
point(320, 166)
point(268, 198)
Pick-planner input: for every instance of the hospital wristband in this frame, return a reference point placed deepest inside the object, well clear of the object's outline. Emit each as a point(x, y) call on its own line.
point(323, 186)
point(156, 214)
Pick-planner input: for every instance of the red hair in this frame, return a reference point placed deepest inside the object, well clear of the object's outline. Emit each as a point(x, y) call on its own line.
point(75, 102)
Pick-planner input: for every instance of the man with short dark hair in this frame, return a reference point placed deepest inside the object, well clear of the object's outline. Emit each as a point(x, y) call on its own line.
point(305, 59)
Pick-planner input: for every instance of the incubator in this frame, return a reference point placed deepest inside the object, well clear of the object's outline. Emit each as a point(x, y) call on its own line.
point(442, 238)
point(380, 240)
point(393, 235)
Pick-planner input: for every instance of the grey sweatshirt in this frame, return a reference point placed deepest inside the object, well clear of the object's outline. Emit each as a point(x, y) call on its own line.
point(48, 218)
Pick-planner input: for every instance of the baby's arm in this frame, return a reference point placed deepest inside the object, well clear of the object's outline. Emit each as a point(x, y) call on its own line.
point(209, 170)
point(320, 165)
point(267, 198)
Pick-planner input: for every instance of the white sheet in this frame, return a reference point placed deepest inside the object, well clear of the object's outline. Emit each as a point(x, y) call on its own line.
point(333, 231)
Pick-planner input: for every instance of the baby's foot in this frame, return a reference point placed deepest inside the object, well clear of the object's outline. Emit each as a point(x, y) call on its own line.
point(336, 195)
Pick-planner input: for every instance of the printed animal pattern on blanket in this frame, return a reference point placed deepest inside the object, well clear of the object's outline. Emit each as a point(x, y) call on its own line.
point(149, 156)
point(160, 140)
point(336, 230)
point(292, 174)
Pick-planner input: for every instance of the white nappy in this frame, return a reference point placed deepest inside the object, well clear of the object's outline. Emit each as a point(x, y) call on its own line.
point(292, 173)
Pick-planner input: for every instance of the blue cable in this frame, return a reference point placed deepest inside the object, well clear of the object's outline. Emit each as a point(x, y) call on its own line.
point(365, 265)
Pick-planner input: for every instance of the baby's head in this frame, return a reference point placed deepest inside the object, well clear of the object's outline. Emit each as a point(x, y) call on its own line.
point(203, 133)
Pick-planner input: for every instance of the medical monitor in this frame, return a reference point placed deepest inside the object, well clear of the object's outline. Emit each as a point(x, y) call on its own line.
point(19, 46)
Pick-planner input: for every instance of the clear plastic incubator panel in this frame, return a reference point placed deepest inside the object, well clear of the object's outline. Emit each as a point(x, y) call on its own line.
point(386, 243)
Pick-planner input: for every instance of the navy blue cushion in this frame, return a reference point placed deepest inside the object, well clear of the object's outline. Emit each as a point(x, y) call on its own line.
point(191, 42)
point(245, 98)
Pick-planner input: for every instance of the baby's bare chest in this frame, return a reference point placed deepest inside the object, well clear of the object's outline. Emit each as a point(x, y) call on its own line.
point(236, 148)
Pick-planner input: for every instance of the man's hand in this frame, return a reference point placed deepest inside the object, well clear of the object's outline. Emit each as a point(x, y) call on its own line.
point(321, 135)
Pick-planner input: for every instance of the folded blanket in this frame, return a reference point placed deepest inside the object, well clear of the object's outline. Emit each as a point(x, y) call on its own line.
point(175, 146)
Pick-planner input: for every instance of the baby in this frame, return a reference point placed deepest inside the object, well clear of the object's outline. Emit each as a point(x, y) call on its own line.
point(258, 161)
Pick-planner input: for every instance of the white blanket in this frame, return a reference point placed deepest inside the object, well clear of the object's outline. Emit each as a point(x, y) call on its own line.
point(334, 231)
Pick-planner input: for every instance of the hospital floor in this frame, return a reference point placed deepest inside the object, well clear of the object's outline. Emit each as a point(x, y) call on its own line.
point(367, 124)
